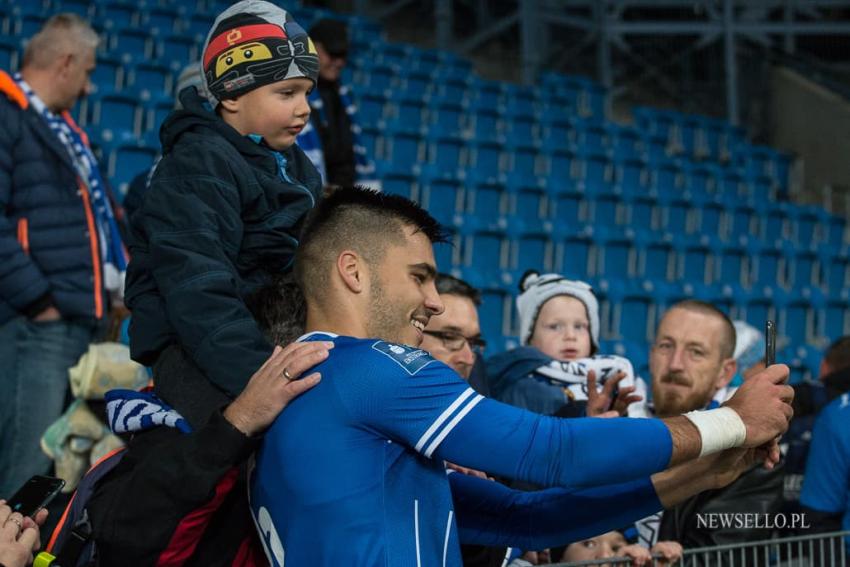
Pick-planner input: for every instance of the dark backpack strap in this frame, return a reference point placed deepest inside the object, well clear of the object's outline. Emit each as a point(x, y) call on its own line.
point(71, 541)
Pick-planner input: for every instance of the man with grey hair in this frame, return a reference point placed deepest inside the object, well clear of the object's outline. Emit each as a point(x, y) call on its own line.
point(61, 258)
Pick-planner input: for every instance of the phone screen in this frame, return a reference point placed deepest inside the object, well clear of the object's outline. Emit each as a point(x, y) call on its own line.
point(35, 495)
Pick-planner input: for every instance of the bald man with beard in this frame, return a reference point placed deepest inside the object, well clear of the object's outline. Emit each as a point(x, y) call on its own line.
point(692, 358)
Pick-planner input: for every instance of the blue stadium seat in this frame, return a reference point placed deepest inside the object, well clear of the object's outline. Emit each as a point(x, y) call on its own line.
point(528, 204)
point(730, 263)
point(665, 176)
point(590, 135)
point(640, 209)
point(624, 142)
point(694, 259)
point(520, 130)
point(570, 207)
point(835, 274)
point(701, 178)
point(197, 25)
point(655, 256)
point(371, 107)
point(394, 54)
point(631, 311)
point(486, 158)
point(531, 250)
point(630, 176)
point(415, 85)
point(371, 138)
point(487, 203)
point(803, 222)
point(615, 253)
point(767, 266)
point(707, 214)
point(81, 8)
point(132, 43)
point(774, 220)
point(126, 162)
point(674, 211)
point(556, 109)
point(443, 198)
point(485, 253)
point(404, 148)
point(108, 75)
point(161, 19)
point(605, 208)
point(157, 110)
point(446, 153)
point(8, 54)
point(494, 313)
point(117, 14)
point(446, 117)
point(832, 228)
point(118, 112)
point(406, 114)
point(27, 25)
point(556, 134)
point(594, 171)
point(802, 268)
point(561, 166)
point(156, 79)
point(837, 317)
point(521, 163)
point(573, 252)
point(486, 125)
point(450, 88)
point(486, 95)
point(797, 314)
point(742, 221)
point(398, 180)
point(177, 51)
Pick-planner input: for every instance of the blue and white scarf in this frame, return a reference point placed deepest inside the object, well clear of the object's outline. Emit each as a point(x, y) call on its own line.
point(113, 254)
point(130, 411)
point(311, 143)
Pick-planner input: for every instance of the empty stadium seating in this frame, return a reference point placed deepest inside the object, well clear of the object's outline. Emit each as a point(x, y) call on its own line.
point(671, 206)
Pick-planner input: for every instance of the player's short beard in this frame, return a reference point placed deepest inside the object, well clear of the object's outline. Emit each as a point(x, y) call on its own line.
point(385, 317)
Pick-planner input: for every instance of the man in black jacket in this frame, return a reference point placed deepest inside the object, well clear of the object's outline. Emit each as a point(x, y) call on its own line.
point(693, 357)
point(54, 280)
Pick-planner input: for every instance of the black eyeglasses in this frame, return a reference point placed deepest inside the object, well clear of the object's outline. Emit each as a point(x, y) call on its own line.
point(455, 341)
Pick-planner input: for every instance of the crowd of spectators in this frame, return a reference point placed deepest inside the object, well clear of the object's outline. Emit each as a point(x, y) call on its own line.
point(263, 138)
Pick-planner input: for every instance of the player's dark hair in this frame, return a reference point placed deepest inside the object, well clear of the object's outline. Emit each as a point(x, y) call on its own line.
point(837, 356)
point(360, 219)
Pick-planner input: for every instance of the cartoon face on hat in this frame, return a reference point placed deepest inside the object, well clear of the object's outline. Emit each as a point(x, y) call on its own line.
point(254, 43)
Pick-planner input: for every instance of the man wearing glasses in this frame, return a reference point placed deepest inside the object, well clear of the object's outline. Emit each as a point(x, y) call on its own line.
point(454, 337)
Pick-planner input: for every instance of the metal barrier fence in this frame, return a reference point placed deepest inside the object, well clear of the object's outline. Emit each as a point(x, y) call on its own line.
point(820, 550)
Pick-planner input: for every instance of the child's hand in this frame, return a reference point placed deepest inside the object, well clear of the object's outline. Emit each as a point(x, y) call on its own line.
point(598, 403)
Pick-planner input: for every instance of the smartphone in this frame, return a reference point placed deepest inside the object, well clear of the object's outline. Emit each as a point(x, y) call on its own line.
point(770, 343)
point(35, 495)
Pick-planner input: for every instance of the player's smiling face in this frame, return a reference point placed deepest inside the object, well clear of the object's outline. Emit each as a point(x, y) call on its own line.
point(403, 293)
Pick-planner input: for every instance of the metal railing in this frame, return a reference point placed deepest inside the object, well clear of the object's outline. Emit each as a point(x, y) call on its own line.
point(820, 550)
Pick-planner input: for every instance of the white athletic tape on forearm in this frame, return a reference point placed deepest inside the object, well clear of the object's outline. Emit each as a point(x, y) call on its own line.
point(720, 429)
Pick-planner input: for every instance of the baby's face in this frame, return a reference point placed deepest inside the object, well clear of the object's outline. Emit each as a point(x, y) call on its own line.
point(562, 329)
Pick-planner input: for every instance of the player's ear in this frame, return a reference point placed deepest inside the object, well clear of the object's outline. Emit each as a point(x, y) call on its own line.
point(350, 266)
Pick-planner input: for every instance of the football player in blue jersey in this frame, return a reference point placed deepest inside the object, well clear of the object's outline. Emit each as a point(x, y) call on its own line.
point(352, 472)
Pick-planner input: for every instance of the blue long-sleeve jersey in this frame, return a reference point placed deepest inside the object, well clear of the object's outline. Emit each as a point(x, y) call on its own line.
point(352, 472)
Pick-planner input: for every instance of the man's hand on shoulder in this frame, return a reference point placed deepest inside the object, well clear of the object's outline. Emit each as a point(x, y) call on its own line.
point(276, 384)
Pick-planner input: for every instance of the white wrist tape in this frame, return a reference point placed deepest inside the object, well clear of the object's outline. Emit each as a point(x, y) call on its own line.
point(720, 429)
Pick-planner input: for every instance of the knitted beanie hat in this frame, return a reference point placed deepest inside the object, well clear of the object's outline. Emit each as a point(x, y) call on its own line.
point(536, 289)
point(251, 44)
